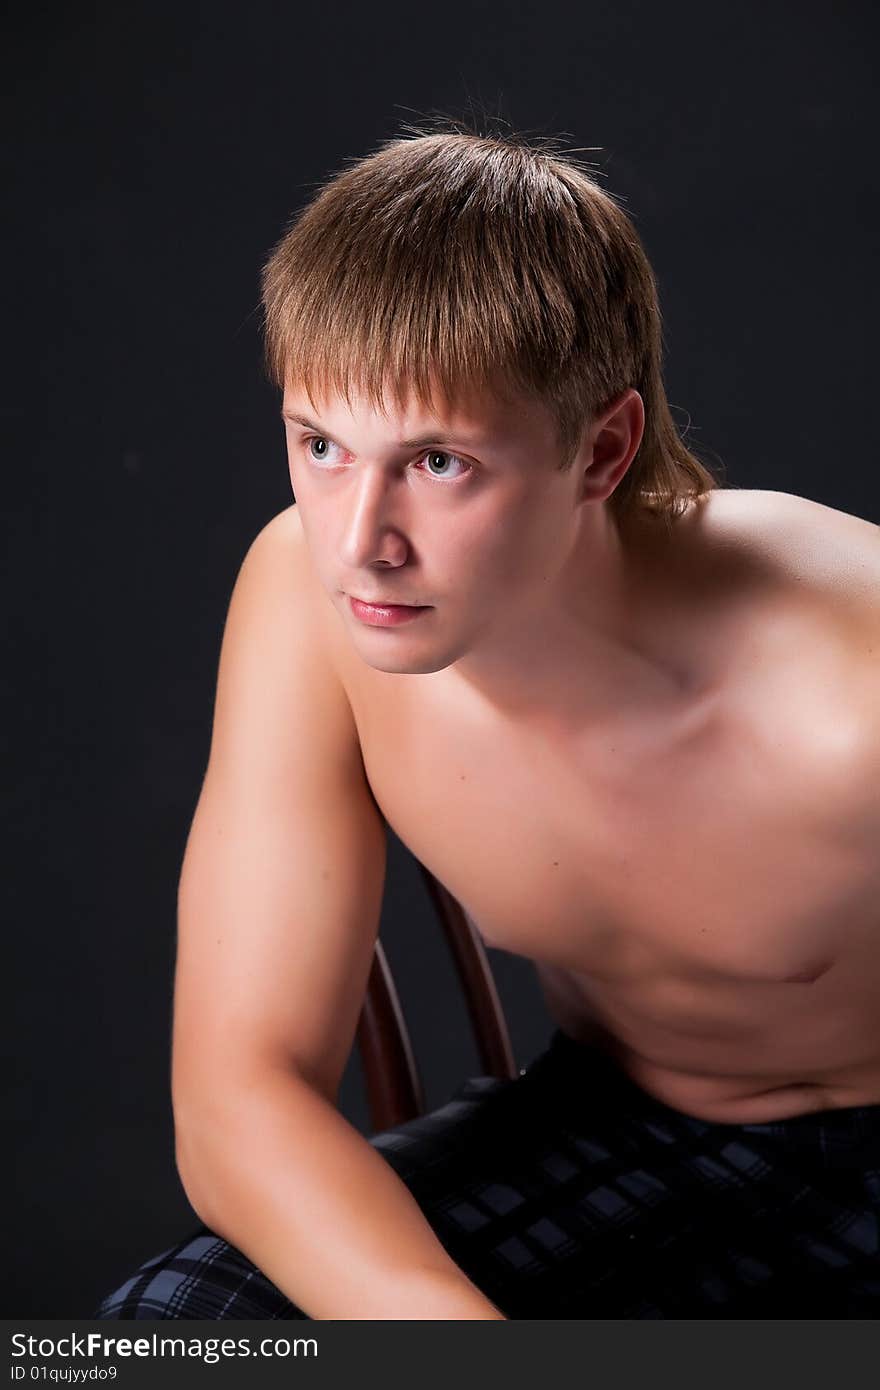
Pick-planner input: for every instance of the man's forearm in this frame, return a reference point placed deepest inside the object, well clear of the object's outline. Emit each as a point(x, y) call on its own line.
point(276, 1170)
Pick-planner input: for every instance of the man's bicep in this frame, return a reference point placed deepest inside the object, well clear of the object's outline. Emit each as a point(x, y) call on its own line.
point(277, 920)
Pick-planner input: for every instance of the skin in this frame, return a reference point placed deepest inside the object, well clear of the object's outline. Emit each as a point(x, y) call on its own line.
point(645, 762)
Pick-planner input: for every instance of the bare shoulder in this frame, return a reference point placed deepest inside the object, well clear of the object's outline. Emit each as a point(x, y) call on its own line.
point(299, 621)
point(825, 568)
point(274, 654)
point(826, 554)
point(281, 541)
point(279, 560)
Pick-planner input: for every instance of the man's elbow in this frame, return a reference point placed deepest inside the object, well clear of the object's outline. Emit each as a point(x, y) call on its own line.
point(191, 1172)
point(195, 1133)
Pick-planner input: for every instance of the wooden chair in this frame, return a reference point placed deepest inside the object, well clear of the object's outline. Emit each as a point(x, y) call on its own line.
point(391, 1076)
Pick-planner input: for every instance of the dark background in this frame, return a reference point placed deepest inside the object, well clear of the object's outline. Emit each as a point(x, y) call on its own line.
point(152, 156)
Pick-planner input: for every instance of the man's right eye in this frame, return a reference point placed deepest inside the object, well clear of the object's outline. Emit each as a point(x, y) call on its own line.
point(325, 445)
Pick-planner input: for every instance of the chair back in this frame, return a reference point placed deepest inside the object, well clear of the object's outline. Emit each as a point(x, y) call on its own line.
point(391, 1076)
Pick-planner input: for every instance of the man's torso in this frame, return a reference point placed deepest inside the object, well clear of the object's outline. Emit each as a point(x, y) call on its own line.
point(697, 884)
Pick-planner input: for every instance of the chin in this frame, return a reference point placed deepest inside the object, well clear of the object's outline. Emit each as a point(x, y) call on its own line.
point(406, 663)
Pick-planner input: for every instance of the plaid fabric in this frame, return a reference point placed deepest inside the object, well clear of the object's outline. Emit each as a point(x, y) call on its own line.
point(571, 1193)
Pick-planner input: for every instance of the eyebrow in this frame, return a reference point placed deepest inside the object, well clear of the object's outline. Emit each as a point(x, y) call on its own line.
point(421, 442)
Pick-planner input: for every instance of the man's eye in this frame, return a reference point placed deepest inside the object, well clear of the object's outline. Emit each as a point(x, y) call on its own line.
point(439, 454)
point(318, 439)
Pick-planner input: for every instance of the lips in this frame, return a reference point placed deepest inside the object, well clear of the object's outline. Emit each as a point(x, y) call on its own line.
point(386, 614)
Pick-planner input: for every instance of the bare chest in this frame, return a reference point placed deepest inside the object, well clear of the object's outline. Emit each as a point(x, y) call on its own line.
point(726, 845)
point(706, 897)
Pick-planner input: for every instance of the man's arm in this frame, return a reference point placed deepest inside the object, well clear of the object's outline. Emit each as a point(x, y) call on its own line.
point(278, 911)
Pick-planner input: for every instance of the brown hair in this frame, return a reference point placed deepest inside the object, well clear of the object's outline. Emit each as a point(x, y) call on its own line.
point(484, 262)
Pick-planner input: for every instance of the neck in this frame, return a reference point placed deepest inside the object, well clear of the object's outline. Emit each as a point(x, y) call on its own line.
point(583, 647)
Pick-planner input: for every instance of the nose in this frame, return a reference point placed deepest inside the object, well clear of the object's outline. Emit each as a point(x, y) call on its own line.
point(369, 537)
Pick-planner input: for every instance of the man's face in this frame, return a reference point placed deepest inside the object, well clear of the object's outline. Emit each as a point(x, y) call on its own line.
point(463, 513)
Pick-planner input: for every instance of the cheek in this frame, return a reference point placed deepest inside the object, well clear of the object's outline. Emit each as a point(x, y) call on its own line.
point(497, 568)
point(519, 546)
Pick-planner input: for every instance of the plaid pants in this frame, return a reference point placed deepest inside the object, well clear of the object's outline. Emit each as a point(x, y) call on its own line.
point(569, 1192)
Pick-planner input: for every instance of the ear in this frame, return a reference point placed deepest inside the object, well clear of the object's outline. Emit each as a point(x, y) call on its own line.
point(610, 445)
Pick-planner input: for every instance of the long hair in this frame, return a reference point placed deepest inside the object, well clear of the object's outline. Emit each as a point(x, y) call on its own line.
point(478, 261)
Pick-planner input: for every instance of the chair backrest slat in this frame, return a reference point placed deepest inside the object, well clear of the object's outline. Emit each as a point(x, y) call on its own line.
point(477, 981)
point(391, 1076)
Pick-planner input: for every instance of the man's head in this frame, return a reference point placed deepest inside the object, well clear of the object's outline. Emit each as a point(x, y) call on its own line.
point(491, 286)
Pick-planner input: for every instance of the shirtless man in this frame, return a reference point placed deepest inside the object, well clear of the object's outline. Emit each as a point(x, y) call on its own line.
point(640, 746)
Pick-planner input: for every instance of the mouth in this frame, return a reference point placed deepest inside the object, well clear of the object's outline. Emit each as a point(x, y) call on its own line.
point(385, 614)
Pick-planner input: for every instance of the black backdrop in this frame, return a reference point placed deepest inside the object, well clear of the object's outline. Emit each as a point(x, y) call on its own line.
point(153, 154)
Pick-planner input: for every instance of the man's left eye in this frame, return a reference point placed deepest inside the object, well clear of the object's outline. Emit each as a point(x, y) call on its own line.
point(440, 454)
